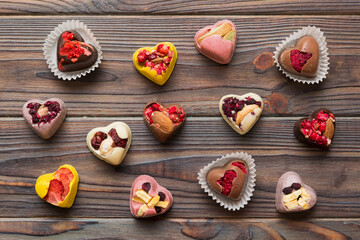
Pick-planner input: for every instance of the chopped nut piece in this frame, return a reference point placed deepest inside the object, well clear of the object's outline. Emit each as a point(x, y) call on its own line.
point(154, 201)
point(106, 146)
point(142, 210)
point(291, 205)
point(303, 203)
point(305, 195)
point(221, 30)
point(290, 197)
point(139, 200)
point(143, 195)
point(162, 204)
point(43, 111)
point(297, 193)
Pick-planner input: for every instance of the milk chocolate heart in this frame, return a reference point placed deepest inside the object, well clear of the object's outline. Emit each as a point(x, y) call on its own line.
point(73, 53)
point(148, 198)
point(163, 121)
point(241, 112)
point(44, 117)
point(302, 59)
point(58, 188)
point(217, 41)
point(110, 143)
point(229, 180)
point(317, 130)
point(292, 195)
point(156, 63)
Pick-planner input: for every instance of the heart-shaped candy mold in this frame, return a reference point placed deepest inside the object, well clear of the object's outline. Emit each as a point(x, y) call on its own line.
point(73, 53)
point(217, 41)
point(292, 195)
point(148, 198)
point(241, 112)
point(44, 117)
point(110, 143)
point(156, 63)
point(302, 59)
point(229, 180)
point(318, 130)
point(58, 188)
point(163, 121)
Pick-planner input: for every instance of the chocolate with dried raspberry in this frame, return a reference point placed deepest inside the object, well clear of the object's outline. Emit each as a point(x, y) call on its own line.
point(318, 130)
point(44, 117)
point(163, 121)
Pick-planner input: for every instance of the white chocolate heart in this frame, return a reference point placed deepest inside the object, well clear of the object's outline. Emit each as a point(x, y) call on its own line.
point(108, 153)
point(249, 118)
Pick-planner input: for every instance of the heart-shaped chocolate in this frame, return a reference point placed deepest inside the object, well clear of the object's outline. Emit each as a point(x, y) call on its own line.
point(317, 130)
point(148, 198)
point(163, 121)
point(58, 188)
point(156, 63)
point(241, 112)
point(217, 41)
point(44, 117)
point(229, 180)
point(73, 53)
point(302, 59)
point(292, 195)
point(110, 143)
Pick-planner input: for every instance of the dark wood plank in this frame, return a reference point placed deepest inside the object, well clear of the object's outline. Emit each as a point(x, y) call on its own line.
point(117, 89)
point(180, 7)
point(163, 228)
point(104, 189)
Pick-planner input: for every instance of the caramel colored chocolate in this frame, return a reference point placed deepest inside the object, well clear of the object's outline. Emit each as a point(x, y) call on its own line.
point(237, 184)
point(76, 63)
point(306, 44)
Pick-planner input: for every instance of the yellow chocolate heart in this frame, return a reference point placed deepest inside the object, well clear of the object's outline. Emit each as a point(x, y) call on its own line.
point(43, 184)
point(151, 71)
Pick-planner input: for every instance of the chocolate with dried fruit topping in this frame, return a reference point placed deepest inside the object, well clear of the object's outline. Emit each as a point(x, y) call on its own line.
point(163, 121)
point(44, 117)
point(302, 59)
point(229, 180)
point(292, 195)
point(73, 53)
point(110, 143)
point(148, 198)
point(318, 130)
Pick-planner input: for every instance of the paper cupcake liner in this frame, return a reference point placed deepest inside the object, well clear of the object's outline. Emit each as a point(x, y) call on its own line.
point(50, 49)
point(323, 65)
point(249, 186)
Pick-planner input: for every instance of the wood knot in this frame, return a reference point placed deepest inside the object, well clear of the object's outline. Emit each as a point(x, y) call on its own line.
point(276, 103)
point(201, 230)
point(263, 62)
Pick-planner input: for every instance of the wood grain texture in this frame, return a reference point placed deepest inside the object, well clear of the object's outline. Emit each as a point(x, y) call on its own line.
point(104, 189)
point(176, 7)
point(276, 229)
point(117, 89)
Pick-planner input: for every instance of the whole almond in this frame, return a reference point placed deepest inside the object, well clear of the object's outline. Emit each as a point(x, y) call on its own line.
point(330, 129)
point(245, 111)
point(163, 121)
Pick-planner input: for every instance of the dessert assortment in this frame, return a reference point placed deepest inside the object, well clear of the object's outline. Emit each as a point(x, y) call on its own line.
point(110, 143)
point(156, 63)
point(229, 180)
point(217, 41)
point(163, 121)
point(58, 188)
point(292, 195)
point(148, 198)
point(44, 117)
point(241, 112)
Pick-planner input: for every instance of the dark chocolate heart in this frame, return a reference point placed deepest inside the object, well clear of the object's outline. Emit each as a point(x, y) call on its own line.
point(302, 59)
point(292, 195)
point(73, 53)
point(317, 130)
point(229, 180)
point(163, 121)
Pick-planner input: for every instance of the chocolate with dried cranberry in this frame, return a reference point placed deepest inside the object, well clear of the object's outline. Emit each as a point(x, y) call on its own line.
point(110, 143)
point(73, 53)
point(302, 59)
point(163, 121)
point(318, 130)
point(241, 112)
point(44, 117)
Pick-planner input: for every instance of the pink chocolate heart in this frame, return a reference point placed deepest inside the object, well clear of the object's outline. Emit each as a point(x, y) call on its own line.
point(46, 120)
point(215, 47)
point(153, 189)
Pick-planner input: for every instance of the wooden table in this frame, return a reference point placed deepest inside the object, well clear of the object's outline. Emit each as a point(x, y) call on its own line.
point(116, 91)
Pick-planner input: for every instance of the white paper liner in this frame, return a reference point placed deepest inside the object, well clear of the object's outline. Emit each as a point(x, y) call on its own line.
point(323, 65)
point(50, 48)
point(249, 186)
